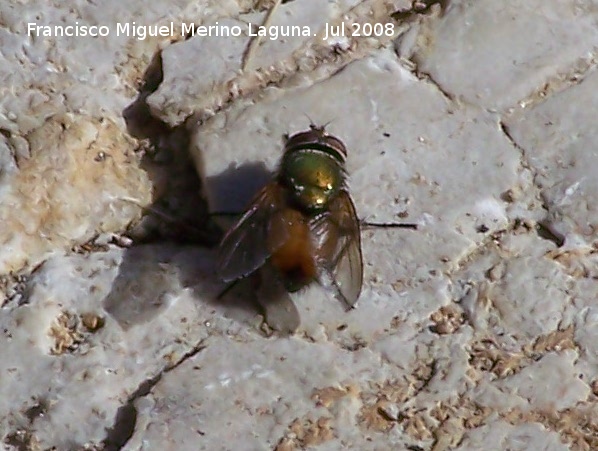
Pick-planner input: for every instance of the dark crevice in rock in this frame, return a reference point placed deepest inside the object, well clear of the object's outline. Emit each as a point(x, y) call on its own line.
point(21, 440)
point(545, 231)
point(505, 130)
point(427, 77)
point(418, 10)
point(179, 211)
point(126, 416)
point(543, 228)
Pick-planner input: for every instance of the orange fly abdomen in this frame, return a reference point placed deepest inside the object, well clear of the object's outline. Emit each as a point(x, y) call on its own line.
point(294, 258)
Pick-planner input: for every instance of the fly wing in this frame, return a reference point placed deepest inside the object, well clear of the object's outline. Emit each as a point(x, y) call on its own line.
point(280, 312)
point(248, 244)
point(338, 241)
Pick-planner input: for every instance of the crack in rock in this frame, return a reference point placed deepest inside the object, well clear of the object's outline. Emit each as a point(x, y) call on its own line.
point(126, 416)
point(563, 80)
point(543, 228)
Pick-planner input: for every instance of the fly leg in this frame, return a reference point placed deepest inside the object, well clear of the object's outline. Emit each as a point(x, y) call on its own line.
point(390, 225)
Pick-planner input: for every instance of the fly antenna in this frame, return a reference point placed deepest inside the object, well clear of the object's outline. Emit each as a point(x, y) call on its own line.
point(313, 126)
point(328, 123)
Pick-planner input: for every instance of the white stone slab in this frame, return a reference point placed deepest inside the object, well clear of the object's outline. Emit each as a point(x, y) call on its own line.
point(231, 60)
point(558, 138)
point(56, 362)
point(494, 54)
point(500, 435)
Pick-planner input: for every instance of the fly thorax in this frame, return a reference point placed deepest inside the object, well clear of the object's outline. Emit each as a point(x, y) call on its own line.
point(313, 177)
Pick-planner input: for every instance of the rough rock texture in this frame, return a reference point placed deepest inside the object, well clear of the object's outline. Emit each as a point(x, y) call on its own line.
point(473, 120)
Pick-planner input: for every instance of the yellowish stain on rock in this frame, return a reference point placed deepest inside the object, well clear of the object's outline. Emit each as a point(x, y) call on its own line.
point(65, 333)
point(71, 188)
point(327, 396)
point(487, 355)
point(69, 331)
point(306, 432)
point(448, 319)
point(577, 426)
